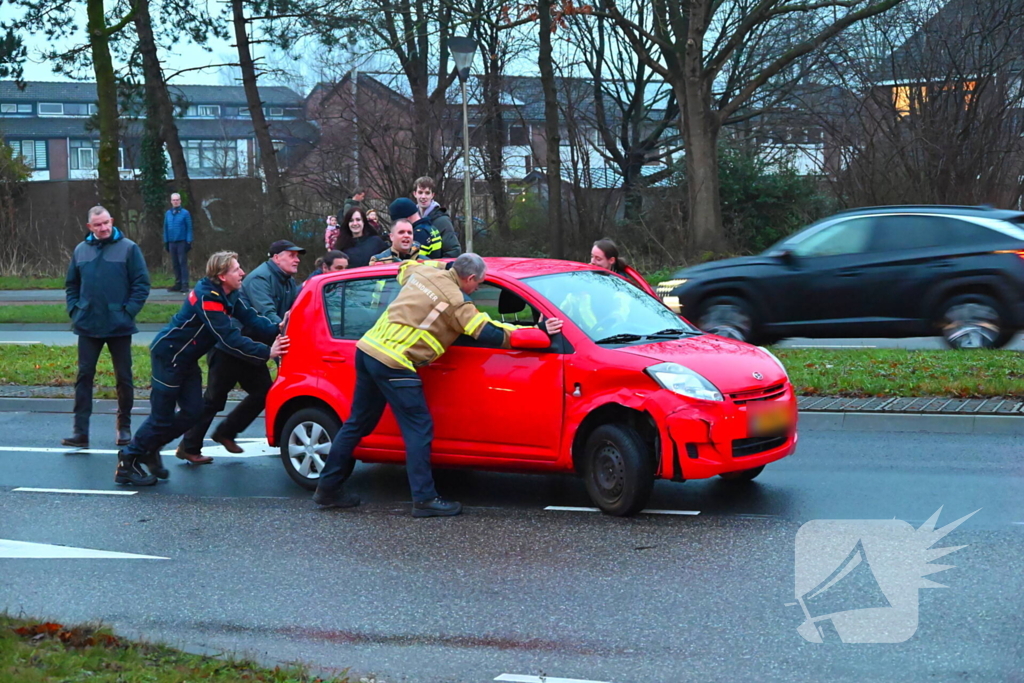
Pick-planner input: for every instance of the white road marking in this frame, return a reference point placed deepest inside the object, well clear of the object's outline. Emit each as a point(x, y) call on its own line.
point(214, 451)
point(519, 678)
point(564, 508)
point(27, 489)
point(65, 449)
point(42, 551)
point(219, 451)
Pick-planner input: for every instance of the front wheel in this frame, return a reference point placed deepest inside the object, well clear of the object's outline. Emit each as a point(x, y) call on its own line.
point(974, 321)
point(618, 470)
point(742, 475)
point(305, 442)
point(727, 316)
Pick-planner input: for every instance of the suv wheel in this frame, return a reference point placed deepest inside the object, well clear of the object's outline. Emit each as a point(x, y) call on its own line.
point(618, 471)
point(305, 442)
point(974, 321)
point(727, 316)
point(742, 475)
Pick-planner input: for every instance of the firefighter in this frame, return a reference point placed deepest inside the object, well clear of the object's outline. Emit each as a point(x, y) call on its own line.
point(428, 315)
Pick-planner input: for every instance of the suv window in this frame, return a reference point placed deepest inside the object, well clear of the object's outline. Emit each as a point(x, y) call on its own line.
point(894, 233)
point(851, 236)
point(353, 306)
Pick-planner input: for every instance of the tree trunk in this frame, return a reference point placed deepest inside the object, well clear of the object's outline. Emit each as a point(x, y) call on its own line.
point(553, 138)
point(157, 94)
point(494, 127)
point(700, 129)
point(106, 97)
point(268, 156)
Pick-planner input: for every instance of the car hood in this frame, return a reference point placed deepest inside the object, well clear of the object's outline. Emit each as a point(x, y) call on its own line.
point(728, 364)
point(740, 261)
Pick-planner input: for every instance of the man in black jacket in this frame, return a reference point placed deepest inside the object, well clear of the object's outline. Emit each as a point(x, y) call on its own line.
point(203, 321)
point(270, 290)
point(107, 285)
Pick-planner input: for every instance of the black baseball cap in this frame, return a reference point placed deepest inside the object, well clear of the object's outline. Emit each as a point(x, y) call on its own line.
point(284, 245)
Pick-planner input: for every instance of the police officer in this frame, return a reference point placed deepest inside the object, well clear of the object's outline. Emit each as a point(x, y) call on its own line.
point(427, 316)
point(204, 320)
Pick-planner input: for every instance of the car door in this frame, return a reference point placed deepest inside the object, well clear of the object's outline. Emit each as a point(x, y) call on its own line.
point(498, 404)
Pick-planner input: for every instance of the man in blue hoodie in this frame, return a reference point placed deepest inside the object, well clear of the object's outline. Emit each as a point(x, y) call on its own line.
point(107, 285)
point(178, 241)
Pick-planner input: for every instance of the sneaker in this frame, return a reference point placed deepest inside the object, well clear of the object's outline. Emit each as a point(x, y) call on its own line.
point(154, 462)
point(229, 444)
point(124, 436)
point(76, 441)
point(337, 499)
point(129, 472)
point(438, 507)
point(194, 458)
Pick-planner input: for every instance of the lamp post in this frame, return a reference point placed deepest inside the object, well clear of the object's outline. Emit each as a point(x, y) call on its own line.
point(463, 50)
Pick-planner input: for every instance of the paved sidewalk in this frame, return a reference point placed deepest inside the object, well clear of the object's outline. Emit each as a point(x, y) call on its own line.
point(57, 296)
point(913, 406)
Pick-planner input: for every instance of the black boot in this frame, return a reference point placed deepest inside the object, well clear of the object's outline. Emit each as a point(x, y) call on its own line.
point(155, 464)
point(437, 507)
point(335, 499)
point(129, 472)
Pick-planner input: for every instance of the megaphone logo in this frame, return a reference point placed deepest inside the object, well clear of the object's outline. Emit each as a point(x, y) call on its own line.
point(857, 580)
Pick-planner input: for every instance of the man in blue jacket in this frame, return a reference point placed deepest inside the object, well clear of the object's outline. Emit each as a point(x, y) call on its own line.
point(203, 321)
point(107, 285)
point(178, 241)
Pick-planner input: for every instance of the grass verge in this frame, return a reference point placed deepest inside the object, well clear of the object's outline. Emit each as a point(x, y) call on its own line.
point(901, 372)
point(57, 313)
point(157, 279)
point(35, 652)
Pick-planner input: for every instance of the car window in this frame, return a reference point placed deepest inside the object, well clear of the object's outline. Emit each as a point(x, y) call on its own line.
point(893, 233)
point(353, 306)
point(851, 236)
point(502, 305)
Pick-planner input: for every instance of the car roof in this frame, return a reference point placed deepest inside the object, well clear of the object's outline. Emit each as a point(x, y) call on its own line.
point(517, 268)
point(942, 209)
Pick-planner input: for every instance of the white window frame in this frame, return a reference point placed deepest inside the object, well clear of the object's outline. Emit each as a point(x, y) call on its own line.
point(208, 110)
point(51, 104)
point(8, 108)
point(275, 111)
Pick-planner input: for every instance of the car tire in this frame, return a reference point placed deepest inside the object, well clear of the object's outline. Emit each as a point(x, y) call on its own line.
point(742, 475)
point(728, 316)
point(974, 321)
point(305, 442)
point(618, 470)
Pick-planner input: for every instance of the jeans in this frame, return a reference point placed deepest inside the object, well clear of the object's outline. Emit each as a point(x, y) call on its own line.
point(173, 385)
point(226, 371)
point(378, 385)
point(179, 261)
point(89, 349)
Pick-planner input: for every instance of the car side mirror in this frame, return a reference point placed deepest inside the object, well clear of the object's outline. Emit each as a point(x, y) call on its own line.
point(530, 338)
point(788, 257)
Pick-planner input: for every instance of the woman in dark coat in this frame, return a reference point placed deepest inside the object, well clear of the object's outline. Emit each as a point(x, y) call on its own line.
point(359, 239)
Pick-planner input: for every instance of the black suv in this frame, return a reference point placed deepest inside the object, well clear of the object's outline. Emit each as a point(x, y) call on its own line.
point(887, 271)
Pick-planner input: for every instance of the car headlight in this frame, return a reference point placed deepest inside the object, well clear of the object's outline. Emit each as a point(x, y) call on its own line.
point(684, 381)
point(667, 286)
point(777, 361)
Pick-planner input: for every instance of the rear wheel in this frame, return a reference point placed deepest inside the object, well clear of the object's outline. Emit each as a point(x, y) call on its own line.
point(618, 470)
point(305, 442)
point(742, 475)
point(727, 316)
point(974, 321)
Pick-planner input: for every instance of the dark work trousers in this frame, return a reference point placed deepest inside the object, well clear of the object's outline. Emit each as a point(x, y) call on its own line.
point(377, 385)
point(173, 385)
point(179, 260)
point(89, 349)
point(225, 372)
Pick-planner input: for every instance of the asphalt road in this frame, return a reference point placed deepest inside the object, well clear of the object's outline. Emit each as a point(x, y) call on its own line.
point(511, 588)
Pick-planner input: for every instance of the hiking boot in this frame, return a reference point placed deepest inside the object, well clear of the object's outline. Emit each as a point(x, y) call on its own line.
point(228, 443)
point(76, 441)
point(154, 462)
point(129, 472)
point(438, 507)
point(336, 499)
point(194, 458)
point(124, 436)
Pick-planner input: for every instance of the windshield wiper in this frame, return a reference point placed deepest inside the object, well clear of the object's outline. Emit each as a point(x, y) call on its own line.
point(619, 339)
point(672, 332)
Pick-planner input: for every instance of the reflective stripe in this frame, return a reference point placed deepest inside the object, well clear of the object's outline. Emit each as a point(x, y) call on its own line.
point(388, 352)
point(475, 322)
point(431, 342)
point(434, 314)
point(213, 306)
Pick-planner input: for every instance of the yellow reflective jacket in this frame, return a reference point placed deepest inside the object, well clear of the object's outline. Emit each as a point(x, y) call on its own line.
point(427, 316)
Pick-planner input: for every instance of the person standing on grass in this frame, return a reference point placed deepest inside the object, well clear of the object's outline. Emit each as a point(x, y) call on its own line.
point(107, 285)
point(178, 241)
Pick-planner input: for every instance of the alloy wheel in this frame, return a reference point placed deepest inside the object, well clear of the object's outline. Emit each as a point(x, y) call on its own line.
point(971, 326)
point(727, 320)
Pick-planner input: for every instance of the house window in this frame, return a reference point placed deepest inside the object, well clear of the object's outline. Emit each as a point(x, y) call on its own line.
point(51, 109)
point(212, 157)
point(31, 152)
point(277, 111)
point(13, 108)
point(74, 109)
point(84, 155)
point(907, 99)
point(209, 110)
point(518, 135)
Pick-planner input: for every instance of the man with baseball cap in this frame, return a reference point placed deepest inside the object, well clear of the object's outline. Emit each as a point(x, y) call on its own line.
point(424, 232)
point(270, 289)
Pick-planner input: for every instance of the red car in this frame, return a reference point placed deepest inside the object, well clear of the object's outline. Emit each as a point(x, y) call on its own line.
point(628, 393)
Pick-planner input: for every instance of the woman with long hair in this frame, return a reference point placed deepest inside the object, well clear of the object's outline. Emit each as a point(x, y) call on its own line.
point(358, 238)
point(605, 254)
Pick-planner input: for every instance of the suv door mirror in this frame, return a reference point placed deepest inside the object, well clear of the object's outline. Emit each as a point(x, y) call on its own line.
point(530, 338)
point(788, 257)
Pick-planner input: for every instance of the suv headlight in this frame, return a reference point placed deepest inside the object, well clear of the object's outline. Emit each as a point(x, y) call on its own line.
point(665, 287)
point(684, 381)
point(777, 361)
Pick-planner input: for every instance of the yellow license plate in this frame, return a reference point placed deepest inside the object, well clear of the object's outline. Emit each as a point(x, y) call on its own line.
point(766, 420)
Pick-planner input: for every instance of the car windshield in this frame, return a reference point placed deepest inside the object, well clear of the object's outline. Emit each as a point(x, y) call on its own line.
point(609, 309)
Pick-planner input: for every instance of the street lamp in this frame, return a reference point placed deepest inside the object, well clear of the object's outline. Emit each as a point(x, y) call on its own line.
point(462, 50)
